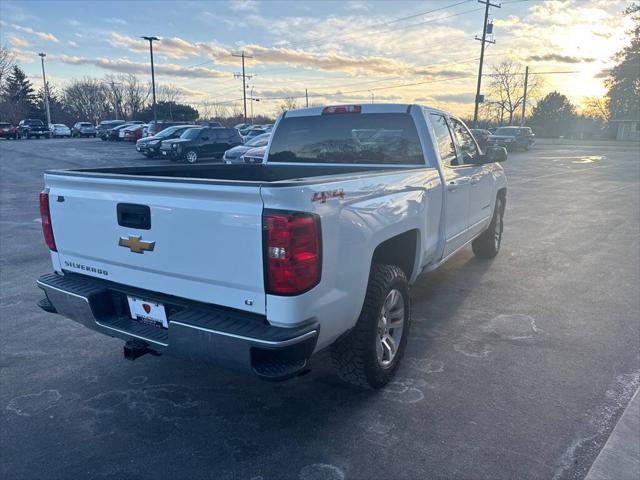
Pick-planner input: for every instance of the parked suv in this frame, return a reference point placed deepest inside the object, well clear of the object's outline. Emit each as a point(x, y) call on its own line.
point(197, 143)
point(83, 129)
point(7, 130)
point(33, 128)
point(106, 125)
point(150, 146)
point(511, 138)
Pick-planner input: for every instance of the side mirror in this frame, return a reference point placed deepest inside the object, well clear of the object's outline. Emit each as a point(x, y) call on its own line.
point(496, 154)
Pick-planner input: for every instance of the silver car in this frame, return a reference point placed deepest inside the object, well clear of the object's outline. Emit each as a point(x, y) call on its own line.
point(233, 154)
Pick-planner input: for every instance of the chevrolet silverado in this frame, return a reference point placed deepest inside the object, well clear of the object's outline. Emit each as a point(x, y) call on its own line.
point(262, 266)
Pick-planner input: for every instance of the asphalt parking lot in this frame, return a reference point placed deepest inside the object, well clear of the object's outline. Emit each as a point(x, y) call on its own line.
point(516, 368)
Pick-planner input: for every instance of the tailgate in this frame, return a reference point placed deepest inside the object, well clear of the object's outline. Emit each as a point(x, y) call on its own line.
point(207, 238)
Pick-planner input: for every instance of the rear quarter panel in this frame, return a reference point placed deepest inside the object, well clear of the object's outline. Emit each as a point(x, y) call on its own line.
point(357, 215)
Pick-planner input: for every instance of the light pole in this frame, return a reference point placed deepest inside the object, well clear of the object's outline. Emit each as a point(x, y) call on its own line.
point(153, 78)
point(372, 96)
point(46, 89)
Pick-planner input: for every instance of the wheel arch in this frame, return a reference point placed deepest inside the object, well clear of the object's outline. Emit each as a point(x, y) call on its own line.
point(400, 250)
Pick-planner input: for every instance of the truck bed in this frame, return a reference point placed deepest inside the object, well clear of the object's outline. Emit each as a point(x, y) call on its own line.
point(278, 175)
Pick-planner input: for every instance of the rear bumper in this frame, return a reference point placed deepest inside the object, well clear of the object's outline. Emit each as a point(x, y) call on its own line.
point(196, 331)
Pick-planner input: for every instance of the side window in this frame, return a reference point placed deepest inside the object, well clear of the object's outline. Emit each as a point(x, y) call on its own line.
point(444, 140)
point(208, 135)
point(468, 146)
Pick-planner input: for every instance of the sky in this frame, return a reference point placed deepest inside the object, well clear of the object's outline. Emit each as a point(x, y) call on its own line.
point(339, 51)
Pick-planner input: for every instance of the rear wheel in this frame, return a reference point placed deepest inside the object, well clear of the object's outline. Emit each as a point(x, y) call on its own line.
point(487, 245)
point(369, 355)
point(191, 156)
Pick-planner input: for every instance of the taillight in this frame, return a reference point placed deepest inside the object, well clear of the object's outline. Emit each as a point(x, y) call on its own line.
point(292, 252)
point(342, 109)
point(47, 229)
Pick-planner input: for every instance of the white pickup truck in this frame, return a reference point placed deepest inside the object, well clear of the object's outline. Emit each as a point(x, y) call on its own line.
point(261, 266)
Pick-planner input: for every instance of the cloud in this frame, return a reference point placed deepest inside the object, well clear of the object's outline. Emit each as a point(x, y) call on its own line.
point(171, 47)
point(116, 21)
point(243, 5)
point(356, 6)
point(124, 65)
point(555, 57)
point(41, 35)
point(17, 41)
point(467, 97)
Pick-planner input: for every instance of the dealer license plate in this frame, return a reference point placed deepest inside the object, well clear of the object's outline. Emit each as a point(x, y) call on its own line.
point(144, 311)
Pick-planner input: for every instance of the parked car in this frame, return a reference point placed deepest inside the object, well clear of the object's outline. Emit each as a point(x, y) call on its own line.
point(7, 130)
point(254, 155)
point(83, 129)
point(512, 138)
point(132, 133)
point(198, 143)
point(262, 267)
point(254, 132)
point(59, 130)
point(481, 136)
point(233, 154)
point(156, 126)
point(150, 146)
point(105, 125)
point(113, 134)
point(33, 128)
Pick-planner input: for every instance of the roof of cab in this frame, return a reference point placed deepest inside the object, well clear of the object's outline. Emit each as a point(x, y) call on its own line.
point(366, 108)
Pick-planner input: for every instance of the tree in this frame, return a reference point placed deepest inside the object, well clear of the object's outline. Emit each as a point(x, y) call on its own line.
point(114, 92)
point(87, 100)
point(288, 103)
point(624, 79)
point(135, 95)
point(7, 62)
point(18, 97)
point(506, 92)
point(597, 107)
point(554, 116)
point(179, 112)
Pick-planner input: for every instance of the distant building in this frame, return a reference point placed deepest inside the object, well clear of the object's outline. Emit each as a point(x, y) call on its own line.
point(627, 129)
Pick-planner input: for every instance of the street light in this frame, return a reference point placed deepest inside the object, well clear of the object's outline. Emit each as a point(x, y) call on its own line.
point(153, 78)
point(372, 96)
point(46, 89)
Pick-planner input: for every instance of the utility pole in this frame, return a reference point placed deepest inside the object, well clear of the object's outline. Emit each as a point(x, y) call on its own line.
point(484, 40)
point(46, 89)
point(153, 77)
point(306, 96)
point(244, 82)
point(373, 97)
point(524, 97)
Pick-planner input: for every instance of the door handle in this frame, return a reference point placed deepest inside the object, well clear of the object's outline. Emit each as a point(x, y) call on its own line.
point(474, 180)
point(452, 186)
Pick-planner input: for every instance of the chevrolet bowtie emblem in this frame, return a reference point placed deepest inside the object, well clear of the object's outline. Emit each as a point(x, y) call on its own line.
point(135, 244)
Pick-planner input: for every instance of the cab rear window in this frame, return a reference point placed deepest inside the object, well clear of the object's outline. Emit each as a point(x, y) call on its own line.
point(372, 138)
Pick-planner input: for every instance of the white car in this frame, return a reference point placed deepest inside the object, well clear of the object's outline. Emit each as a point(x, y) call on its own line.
point(59, 130)
point(261, 267)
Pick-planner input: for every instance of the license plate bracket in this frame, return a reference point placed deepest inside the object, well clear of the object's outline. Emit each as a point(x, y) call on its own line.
point(148, 312)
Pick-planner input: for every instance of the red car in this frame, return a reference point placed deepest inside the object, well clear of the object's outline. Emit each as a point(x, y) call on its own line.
point(7, 130)
point(133, 133)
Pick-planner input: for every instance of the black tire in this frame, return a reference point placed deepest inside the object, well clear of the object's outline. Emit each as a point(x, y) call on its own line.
point(487, 245)
point(355, 355)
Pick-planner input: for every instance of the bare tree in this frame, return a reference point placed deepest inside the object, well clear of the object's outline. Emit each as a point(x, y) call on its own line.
point(114, 87)
point(87, 99)
point(506, 91)
point(288, 103)
point(136, 95)
point(7, 61)
point(169, 93)
point(597, 107)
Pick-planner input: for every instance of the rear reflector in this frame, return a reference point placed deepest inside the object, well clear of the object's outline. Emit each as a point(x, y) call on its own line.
point(292, 252)
point(47, 230)
point(342, 109)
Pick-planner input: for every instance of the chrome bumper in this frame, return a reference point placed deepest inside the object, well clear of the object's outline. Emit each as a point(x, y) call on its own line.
point(196, 331)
